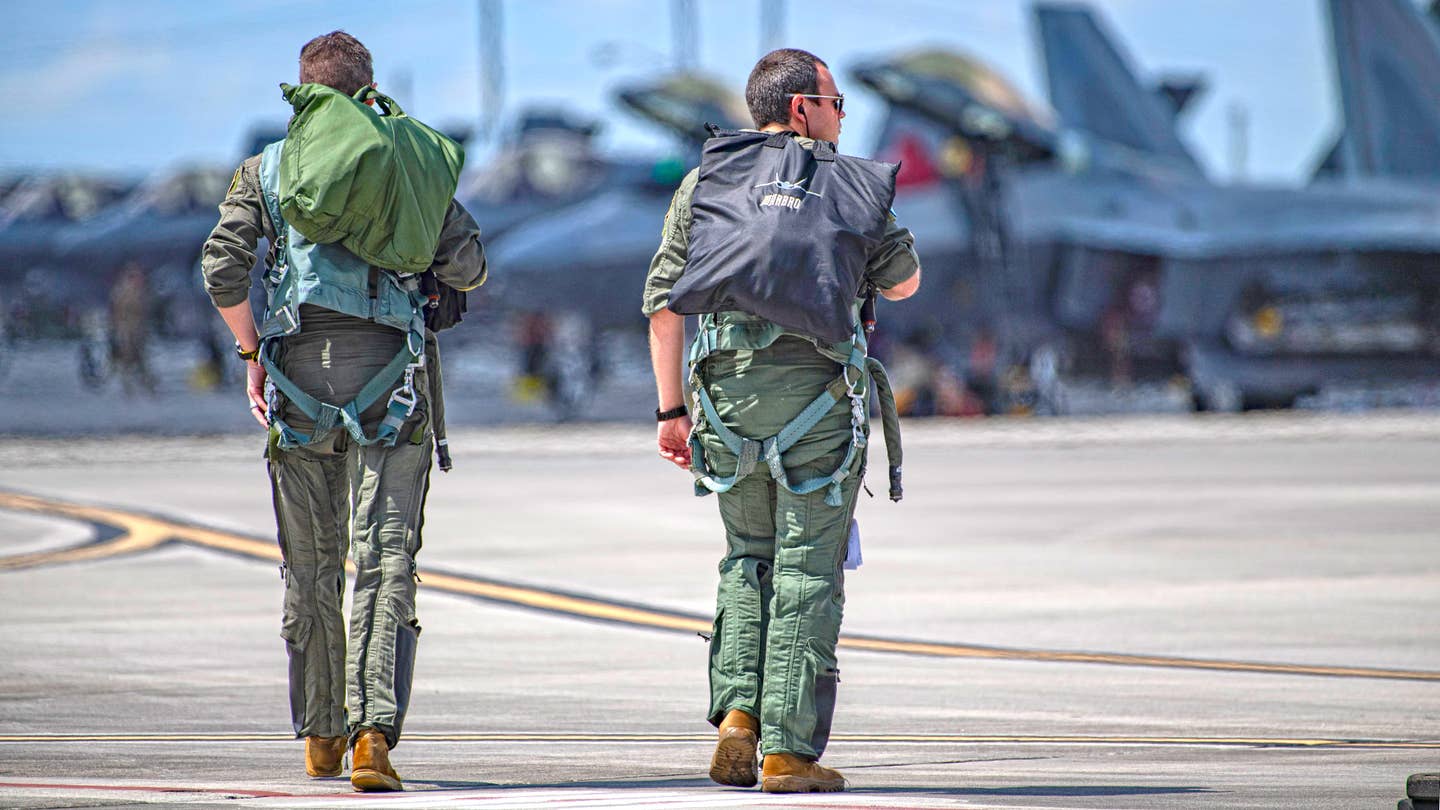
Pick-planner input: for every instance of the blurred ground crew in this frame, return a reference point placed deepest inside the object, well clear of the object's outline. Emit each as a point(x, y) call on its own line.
point(773, 242)
point(130, 316)
point(352, 411)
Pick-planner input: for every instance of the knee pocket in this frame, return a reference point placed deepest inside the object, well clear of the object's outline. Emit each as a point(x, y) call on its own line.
point(407, 638)
point(821, 677)
point(296, 631)
point(296, 628)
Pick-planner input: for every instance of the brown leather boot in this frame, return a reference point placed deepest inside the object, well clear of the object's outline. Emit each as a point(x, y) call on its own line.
point(370, 770)
point(324, 756)
point(790, 773)
point(734, 759)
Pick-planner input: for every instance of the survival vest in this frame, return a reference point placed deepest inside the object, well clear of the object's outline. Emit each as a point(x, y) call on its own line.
point(783, 232)
point(378, 184)
point(779, 242)
point(329, 276)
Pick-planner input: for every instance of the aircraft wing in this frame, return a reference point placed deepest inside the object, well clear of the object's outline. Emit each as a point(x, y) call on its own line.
point(590, 256)
point(1205, 222)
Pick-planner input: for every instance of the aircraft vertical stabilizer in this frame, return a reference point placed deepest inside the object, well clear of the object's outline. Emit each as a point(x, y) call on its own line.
point(1387, 58)
point(1094, 90)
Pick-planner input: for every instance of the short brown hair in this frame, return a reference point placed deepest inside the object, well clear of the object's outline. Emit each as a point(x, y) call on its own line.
point(775, 78)
point(336, 60)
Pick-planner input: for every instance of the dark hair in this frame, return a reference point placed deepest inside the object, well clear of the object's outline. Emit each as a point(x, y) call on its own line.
point(336, 60)
point(775, 78)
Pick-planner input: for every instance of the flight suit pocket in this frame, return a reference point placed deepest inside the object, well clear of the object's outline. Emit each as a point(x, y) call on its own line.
point(296, 630)
point(822, 677)
point(827, 683)
point(717, 640)
point(406, 640)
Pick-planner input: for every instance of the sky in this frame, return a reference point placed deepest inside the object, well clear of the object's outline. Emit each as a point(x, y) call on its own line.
point(132, 88)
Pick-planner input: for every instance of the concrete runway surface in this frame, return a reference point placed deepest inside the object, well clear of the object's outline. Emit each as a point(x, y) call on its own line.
point(1148, 613)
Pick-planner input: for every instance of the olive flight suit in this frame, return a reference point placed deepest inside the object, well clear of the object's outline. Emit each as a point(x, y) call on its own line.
point(781, 592)
point(335, 497)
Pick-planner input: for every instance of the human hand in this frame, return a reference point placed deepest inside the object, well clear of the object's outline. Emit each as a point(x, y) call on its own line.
point(255, 391)
point(673, 438)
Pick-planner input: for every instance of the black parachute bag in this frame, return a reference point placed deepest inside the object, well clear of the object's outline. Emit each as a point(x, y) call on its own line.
point(783, 232)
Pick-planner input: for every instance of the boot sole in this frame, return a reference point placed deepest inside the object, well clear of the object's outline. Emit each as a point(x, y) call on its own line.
point(734, 760)
point(368, 781)
point(800, 784)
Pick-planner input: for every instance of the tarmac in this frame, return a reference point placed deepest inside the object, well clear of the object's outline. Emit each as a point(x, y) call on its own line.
point(1164, 612)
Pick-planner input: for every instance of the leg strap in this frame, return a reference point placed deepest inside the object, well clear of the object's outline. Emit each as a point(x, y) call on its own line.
point(749, 451)
point(327, 417)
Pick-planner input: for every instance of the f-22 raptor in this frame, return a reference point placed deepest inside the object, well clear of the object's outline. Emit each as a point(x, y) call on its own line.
point(1096, 247)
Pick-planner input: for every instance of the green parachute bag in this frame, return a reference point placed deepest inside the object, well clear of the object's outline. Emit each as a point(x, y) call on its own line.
point(377, 184)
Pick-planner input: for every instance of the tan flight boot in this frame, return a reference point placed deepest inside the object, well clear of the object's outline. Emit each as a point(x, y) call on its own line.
point(370, 770)
point(324, 756)
point(790, 773)
point(734, 759)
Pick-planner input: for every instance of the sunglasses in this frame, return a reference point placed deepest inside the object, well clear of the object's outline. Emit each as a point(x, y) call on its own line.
point(839, 100)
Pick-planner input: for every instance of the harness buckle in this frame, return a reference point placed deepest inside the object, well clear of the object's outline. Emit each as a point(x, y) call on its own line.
point(405, 396)
point(287, 319)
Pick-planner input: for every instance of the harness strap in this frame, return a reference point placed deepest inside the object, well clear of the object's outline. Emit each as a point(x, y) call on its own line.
point(749, 451)
point(890, 420)
point(327, 416)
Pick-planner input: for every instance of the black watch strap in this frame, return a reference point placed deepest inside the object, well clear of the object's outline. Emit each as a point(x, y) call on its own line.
point(250, 356)
point(673, 413)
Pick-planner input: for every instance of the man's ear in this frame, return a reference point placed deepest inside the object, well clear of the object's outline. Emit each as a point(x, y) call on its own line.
point(797, 113)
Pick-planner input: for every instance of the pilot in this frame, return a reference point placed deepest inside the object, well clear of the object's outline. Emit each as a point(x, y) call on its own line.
point(771, 249)
point(337, 490)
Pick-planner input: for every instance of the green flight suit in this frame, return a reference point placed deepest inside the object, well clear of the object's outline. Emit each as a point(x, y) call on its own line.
point(781, 593)
point(335, 497)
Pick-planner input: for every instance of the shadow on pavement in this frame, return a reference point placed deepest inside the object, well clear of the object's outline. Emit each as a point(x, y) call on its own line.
point(1036, 791)
point(1061, 791)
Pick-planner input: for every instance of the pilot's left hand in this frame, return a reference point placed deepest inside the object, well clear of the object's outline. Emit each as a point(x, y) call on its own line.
point(673, 437)
point(255, 391)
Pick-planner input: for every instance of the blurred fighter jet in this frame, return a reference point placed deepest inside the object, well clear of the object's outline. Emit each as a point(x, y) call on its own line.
point(590, 256)
point(1097, 247)
point(163, 222)
point(34, 215)
point(577, 270)
point(547, 161)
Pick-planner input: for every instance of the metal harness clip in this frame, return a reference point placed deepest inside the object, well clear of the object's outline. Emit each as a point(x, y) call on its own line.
point(405, 394)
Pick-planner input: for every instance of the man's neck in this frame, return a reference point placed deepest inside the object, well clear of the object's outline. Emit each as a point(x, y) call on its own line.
point(779, 128)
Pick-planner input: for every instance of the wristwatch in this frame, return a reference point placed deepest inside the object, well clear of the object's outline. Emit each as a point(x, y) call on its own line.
point(250, 356)
point(673, 413)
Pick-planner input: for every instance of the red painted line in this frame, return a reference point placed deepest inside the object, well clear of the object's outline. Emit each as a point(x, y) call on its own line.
point(254, 794)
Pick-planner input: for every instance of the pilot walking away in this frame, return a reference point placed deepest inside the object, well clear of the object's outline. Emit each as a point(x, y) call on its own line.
point(356, 282)
point(771, 242)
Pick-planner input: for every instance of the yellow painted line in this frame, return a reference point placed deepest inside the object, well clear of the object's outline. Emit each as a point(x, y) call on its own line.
point(142, 532)
point(1120, 659)
point(561, 603)
point(920, 739)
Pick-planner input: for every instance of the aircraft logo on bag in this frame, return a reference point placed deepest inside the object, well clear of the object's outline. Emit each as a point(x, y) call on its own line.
point(782, 197)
